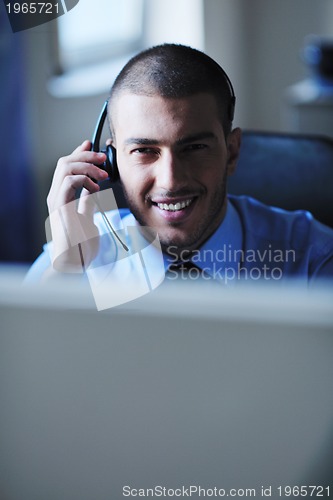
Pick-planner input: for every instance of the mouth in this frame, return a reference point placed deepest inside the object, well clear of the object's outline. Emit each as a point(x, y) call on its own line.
point(174, 210)
point(174, 207)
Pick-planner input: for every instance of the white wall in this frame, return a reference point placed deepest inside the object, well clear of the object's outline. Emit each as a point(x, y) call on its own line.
point(259, 43)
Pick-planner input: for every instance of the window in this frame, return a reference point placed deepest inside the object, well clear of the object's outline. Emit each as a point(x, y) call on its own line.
point(98, 30)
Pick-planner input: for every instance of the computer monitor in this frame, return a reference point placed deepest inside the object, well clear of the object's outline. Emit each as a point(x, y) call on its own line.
point(190, 391)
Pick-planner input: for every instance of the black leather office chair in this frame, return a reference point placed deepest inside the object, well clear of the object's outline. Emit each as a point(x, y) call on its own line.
point(291, 171)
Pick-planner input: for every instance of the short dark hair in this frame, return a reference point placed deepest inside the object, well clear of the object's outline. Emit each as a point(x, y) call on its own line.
point(177, 71)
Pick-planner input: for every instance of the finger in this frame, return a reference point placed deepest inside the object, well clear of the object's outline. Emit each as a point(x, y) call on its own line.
point(68, 190)
point(88, 169)
point(86, 205)
point(66, 163)
point(81, 162)
point(85, 146)
point(86, 156)
point(75, 168)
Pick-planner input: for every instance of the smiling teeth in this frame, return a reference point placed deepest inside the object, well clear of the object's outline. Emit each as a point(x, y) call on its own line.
point(174, 207)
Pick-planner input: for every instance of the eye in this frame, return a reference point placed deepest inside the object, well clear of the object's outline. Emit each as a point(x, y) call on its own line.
point(144, 151)
point(144, 155)
point(196, 147)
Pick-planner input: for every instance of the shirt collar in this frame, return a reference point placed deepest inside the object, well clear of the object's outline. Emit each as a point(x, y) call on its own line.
point(222, 249)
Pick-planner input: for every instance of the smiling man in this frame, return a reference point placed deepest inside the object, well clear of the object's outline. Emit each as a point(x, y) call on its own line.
point(174, 160)
point(170, 113)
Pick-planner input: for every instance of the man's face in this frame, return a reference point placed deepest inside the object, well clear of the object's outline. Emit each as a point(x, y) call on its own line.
point(173, 162)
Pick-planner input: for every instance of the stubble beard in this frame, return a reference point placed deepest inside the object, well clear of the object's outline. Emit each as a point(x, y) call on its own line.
point(204, 229)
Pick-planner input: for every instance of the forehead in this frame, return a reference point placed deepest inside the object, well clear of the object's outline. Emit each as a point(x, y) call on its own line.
point(149, 116)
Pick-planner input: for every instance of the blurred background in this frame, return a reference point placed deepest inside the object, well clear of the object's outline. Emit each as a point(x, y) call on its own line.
point(55, 78)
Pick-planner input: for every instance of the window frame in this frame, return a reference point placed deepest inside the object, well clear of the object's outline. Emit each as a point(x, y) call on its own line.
point(96, 54)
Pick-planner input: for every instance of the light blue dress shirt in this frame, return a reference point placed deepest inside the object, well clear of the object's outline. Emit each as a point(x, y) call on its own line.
point(254, 242)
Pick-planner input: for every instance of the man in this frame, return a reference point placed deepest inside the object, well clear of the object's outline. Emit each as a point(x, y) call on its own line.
point(170, 113)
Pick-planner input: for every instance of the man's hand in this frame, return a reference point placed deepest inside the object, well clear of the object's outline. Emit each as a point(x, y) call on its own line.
point(74, 172)
point(75, 237)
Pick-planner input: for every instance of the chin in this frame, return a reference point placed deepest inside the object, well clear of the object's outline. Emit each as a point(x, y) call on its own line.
point(193, 234)
point(188, 242)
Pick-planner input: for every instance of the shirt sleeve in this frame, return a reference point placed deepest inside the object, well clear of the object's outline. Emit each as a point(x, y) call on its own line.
point(324, 271)
point(40, 267)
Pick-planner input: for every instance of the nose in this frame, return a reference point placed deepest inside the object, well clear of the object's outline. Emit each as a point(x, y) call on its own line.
point(172, 173)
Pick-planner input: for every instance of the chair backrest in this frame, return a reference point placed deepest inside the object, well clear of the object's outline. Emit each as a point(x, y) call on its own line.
point(291, 171)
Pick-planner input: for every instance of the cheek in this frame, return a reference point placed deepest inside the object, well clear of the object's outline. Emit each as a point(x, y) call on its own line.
point(136, 182)
point(211, 165)
point(211, 176)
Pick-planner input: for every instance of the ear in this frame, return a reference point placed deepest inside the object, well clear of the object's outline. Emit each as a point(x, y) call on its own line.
point(109, 142)
point(234, 140)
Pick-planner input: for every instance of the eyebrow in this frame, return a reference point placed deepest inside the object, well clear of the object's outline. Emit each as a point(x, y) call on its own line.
point(142, 141)
point(196, 137)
